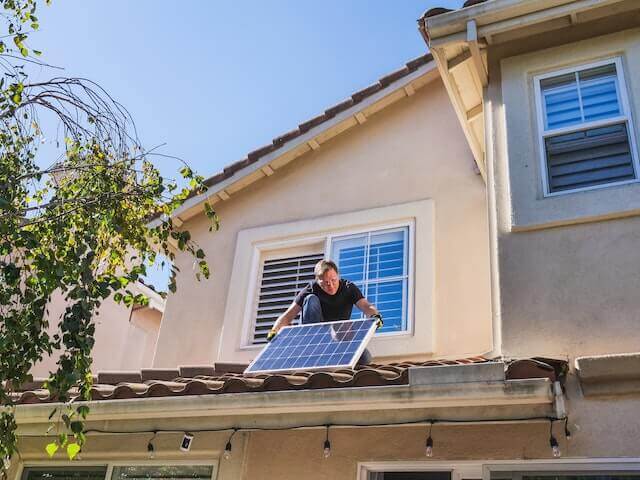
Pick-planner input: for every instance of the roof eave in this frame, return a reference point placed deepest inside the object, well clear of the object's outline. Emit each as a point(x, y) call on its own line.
point(496, 17)
point(478, 401)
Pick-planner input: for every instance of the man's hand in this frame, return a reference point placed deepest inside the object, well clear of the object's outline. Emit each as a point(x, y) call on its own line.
point(378, 318)
point(271, 335)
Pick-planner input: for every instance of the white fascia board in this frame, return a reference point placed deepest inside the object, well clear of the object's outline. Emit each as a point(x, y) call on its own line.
point(155, 299)
point(521, 394)
point(497, 16)
point(308, 136)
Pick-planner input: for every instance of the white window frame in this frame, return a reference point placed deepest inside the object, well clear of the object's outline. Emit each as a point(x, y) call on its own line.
point(264, 251)
point(625, 117)
point(481, 470)
point(121, 463)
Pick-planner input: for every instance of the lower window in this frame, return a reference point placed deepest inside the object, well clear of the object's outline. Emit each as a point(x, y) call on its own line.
point(127, 472)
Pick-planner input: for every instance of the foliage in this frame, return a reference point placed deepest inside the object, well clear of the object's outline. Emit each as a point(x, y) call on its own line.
point(87, 226)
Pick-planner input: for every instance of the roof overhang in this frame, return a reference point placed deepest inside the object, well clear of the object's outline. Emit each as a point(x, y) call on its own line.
point(474, 393)
point(310, 141)
point(458, 41)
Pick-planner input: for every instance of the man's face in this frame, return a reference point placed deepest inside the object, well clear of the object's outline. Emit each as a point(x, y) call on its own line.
point(329, 282)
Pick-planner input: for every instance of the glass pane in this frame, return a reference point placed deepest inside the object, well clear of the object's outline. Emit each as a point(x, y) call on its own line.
point(600, 98)
point(389, 298)
point(349, 254)
point(175, 472)
point(561, 102)
point(387, 255)
point(57, 473)
point(582, 477)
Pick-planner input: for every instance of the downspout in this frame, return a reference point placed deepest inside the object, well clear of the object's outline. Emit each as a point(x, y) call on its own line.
point(496, 311)
point(496, 305)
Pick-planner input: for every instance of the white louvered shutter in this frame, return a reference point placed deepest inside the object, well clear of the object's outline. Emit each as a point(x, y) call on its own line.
point(281, 280)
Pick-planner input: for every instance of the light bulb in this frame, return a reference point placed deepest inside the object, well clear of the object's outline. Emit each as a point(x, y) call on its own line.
point(428, 451)
point(555, 448)
point(326, 453)
point(151, 451)
point(7, 462)
point(227, 451)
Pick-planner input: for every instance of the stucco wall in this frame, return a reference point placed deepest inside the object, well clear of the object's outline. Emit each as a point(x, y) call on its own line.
point(412, 151)
point(125, 340)
point(570, 290)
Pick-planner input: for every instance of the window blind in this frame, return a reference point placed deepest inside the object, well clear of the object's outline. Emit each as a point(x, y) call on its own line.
point(281, 280)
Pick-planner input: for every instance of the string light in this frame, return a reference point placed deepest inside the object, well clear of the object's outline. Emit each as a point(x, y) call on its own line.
point(428, 450)
point(326, 453)
point(227, 449)
point(553, 443)
point(151, 451)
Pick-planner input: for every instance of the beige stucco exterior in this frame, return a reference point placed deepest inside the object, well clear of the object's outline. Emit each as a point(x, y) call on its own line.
point(569, 290)
point(412, 151)
point(125, 337)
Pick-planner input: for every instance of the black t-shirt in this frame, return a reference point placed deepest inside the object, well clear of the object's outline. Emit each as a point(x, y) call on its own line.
point(334, 307)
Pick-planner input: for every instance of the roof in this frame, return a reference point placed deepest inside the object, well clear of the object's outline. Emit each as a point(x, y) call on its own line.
point(228, 378)
point(328, 114)
point(432, 12)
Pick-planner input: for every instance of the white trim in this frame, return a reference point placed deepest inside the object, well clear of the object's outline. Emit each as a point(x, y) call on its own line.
point(418, 215)
point(261, 252)
point(473, 469)
point(625, 117)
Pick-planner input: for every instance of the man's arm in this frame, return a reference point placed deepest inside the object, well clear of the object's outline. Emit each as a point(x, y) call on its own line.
point(367, 308)
point(370, 311)
point(285, 319)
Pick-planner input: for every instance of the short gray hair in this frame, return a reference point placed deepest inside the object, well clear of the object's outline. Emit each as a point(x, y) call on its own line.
point(323, 266)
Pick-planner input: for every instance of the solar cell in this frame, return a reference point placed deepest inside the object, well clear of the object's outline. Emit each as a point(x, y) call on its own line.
point(315, 346)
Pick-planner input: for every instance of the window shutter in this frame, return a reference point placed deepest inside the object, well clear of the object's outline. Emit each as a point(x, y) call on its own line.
point(282, 279)
point(589, 157)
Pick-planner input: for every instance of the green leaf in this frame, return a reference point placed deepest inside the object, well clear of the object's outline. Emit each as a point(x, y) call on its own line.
point(51, 449)
point(72, 450)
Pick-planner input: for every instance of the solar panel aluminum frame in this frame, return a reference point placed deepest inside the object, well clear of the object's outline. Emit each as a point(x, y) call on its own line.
point(354, 359)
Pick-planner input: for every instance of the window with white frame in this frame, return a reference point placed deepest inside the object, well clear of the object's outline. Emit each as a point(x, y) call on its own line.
point(587, 139)
point(120, 472)
point(377, 261)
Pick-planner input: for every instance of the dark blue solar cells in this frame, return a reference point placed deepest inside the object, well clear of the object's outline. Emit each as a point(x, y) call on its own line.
point(314, 346)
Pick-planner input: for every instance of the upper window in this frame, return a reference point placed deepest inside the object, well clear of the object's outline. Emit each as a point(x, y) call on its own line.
point(587, 136)
point(377, 261)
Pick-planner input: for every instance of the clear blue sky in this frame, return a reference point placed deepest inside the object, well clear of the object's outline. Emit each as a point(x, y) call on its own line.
point(216, 79)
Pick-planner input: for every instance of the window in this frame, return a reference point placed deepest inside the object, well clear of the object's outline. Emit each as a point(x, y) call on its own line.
point(281, 279)
point(170, 472)
point(587, 138)
point(377, 261)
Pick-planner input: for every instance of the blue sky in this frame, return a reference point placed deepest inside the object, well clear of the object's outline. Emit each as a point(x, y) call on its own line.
point(216, 79)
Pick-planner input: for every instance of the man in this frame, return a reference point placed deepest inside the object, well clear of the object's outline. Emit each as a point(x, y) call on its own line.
point(327, 299)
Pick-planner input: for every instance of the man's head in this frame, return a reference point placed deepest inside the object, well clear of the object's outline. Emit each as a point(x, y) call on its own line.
point(327, 276)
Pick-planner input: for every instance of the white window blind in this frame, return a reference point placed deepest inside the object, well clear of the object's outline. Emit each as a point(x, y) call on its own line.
point(281, 280)
point(586, 131)
point(377, 262)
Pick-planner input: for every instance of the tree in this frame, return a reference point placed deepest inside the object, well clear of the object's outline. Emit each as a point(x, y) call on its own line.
point(88, 225)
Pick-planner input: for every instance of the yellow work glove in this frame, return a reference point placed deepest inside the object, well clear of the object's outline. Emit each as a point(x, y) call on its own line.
point(378, 318)
point(271, 335)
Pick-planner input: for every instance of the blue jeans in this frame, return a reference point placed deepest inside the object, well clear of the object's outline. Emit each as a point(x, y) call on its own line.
point(312, 313)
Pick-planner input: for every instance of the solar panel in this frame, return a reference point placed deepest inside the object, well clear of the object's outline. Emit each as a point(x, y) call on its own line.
point(315, 346)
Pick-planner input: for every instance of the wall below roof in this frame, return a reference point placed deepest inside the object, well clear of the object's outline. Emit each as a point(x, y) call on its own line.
point(411, 151)
point(125, 339)
point(570, 290)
